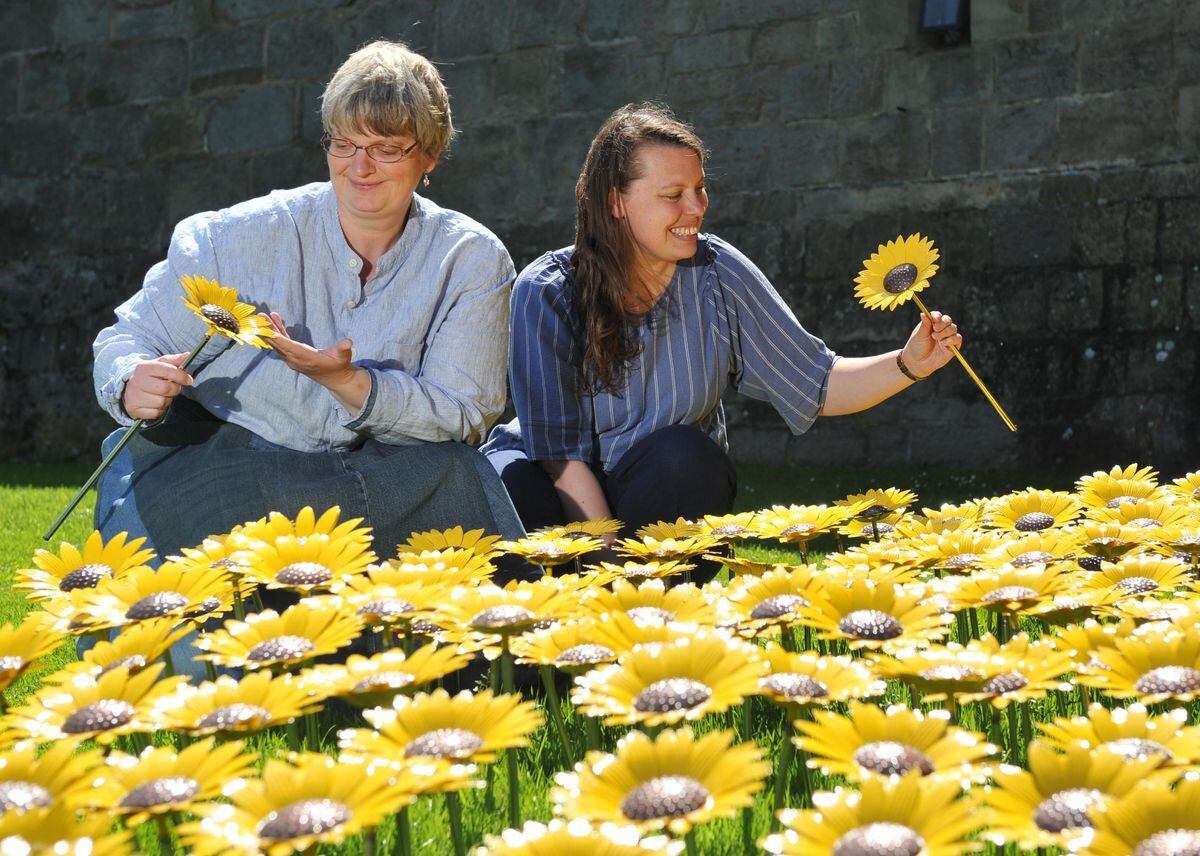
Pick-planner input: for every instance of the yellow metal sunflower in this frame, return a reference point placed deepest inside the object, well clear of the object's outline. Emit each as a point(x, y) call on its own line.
point(572, 647)
point(1151, 820)
point(1011, 590)
point(652, 603)
point(1148, 668)
point(618, 632)
point(805, 679)
point(450, 567)
point(228, 706)
point(666, 549)
point(895, 272)
point(60, 776)
point(146, 594)
point(1107, 542)
point(1032, 510)
point(636, 572)
point(1141, 574)
point(389, 606)
point(222, 313)
point(662, 530)
point(297, 806)
point(869, 615)
point(375, 680)
point(1047, 547)
point(307, 524)
point(161, 781)
point(1133, 472)
point(882, 818)
point(1110, 493)
point(490, 613)
point(675, 781)
point(62, 829)
point(1031, 670)
point(1055, 802)
point(957, 551)
point(439, 727)
point(799, 524)
point(1081, 641)
point(773, 599)
point(102, 708)
point(579, 838)
point(550, 551)
point(134, 648)
point(730, 527)
point(306, 563)
point(1132, 732)
point(23, 644)
point(1188, 486)
point(301, 632)
point(455, 537)
point(869, 741)
point(72, 569)
point(1147, 513)
point(665, 683)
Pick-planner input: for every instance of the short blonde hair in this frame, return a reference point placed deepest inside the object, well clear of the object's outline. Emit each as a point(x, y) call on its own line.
point(385, 88)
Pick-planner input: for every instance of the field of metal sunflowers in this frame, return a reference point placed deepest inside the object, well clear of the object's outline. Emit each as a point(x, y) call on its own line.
point(867, 677)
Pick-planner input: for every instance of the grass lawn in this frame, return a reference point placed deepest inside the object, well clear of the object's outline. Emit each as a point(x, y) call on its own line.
point(32, 494)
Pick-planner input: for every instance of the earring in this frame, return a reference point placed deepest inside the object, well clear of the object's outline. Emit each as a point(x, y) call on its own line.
point(425, 180)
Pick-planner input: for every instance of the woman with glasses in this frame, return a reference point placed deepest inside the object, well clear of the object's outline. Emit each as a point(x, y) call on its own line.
point(390, 316)
point(623, 345)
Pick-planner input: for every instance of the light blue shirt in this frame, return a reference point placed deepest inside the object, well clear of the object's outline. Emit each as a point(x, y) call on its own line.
point(720, 324)
point(430, 324)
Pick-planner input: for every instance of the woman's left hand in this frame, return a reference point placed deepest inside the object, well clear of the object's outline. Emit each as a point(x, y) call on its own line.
point(929, 346)
point(330, 367)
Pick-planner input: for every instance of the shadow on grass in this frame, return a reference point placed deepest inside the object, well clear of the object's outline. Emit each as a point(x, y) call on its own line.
point(43, 474)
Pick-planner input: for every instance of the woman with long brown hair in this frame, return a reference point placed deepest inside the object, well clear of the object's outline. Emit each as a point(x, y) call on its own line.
point(623, 345)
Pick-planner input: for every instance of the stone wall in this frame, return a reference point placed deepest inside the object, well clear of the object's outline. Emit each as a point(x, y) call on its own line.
point(1052, 156)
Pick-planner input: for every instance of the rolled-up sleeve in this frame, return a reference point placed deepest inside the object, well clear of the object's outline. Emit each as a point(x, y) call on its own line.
point(458, 391)
point(774, 358)
point(554, 413)
point(155, 321)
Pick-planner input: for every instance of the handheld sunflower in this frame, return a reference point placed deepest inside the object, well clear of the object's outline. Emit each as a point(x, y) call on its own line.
point(223, 315)
point(894, 274)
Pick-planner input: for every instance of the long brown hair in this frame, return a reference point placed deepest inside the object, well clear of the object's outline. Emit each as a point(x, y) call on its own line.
point(604, 256)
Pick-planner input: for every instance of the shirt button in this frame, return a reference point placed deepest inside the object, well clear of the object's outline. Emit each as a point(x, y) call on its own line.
point(352, 264)
point(350, 304)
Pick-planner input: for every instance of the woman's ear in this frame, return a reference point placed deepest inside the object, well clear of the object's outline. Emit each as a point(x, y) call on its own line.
point(614, 203)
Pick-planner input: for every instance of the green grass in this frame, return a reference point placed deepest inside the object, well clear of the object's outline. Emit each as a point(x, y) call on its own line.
point(32, 494)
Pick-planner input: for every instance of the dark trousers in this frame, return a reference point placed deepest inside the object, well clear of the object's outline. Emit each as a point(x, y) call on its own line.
point(675, 472)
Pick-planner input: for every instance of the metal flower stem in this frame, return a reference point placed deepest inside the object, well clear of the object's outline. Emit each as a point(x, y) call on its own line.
point(510, 755)
point(110, 457)
point(165, 845)
point(747, 812)
point(454, 812)
point(404, 831)
point(554, 709)
point(786, 751)
point(979, 383)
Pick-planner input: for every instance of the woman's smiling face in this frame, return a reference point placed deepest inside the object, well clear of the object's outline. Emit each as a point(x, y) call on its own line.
point(367, 189)
point(664, 207)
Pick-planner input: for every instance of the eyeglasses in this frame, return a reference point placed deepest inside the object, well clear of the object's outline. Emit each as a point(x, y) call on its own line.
point(382, 152)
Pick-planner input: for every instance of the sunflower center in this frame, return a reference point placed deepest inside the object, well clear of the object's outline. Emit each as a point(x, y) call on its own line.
point(1137, 585)
point(385, 608)
point(1091, 563)
point(11, 664)
point(23, 796)
point(1117, 501)
point(729, 530)
point(1009, 682)
point(879, 839)
point(949, 673)
point(795, 685)
point(304, 574)
point(100, 715)
point(227, 564)
point(421, 627)
point(134, 663)
point(306, 817)
point(445, 743)
point(1145, 522)
point(777, 606)
point(586, 654)
point(962, 560)
point(1009, 593)
point(221, 317)
point(652, 615)
point(900, 278)
point(392, 680)
point(871, 624)
point(664, 796)
point(1138, 748)
point(1034, 521)
point(1170, 842)
point(798, 529)
point(85, 576)
point(156, 605)
point(281, 648)
point(874, 512)
point(168, 789)
point(204, 607)
point(671, 694)
point(235, 717)
point(1032, 557)
point(1170, 680)
point(501, 617)
point(889, 758)
point(1066, 809)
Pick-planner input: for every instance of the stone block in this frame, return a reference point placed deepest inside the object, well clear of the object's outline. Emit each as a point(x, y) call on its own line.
point(1020, 135)
point(752, 92)
point(956, 141)
point(113, 136)
point(804, 91)
point(1126, 55)
point(170, 18)
point(1136, 125)
point(26, 25)
point(961, 75)
point(1189, 115)
point(1036, 67)
point(992, 20)
point(1099, 233)
point(1141, 232)
point(227, 57)
point(119, 72)
point(243, 10)
point(732, 14)
point(1076, 300)
point(546, 22)
point(1045, 16)
point(713, 50)
point(205, 184)
point(805, 153)
point(1028, 236)
point(785, 42)
point(470, 86)
point(1147, 297)
point(259, 118)
point(884, 148)
point(10, 78)
point(137, 209)
point(1186, 47)
point(838, 32)
point(856, 86)
point(889, 24)
point(48, 79)
point(618, 19)
point(76, 22)
point(413, 23)
point(290, 167)
point(311, 127)
point(466, 28)
point(299, 48)
point(1177, 238)
point(700, 98)
point(524, 79)
point(738, 156)
point(176, 129)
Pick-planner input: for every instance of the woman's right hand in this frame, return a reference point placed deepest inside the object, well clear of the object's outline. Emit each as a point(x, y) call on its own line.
point(153, 386)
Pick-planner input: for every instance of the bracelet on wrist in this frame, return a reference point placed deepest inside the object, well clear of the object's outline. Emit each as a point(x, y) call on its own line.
point(905, 370)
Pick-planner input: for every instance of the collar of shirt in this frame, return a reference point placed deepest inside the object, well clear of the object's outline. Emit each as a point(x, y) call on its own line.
point(390, 260)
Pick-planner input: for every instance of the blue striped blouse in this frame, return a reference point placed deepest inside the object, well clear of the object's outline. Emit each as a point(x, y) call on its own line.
point(719, 324)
